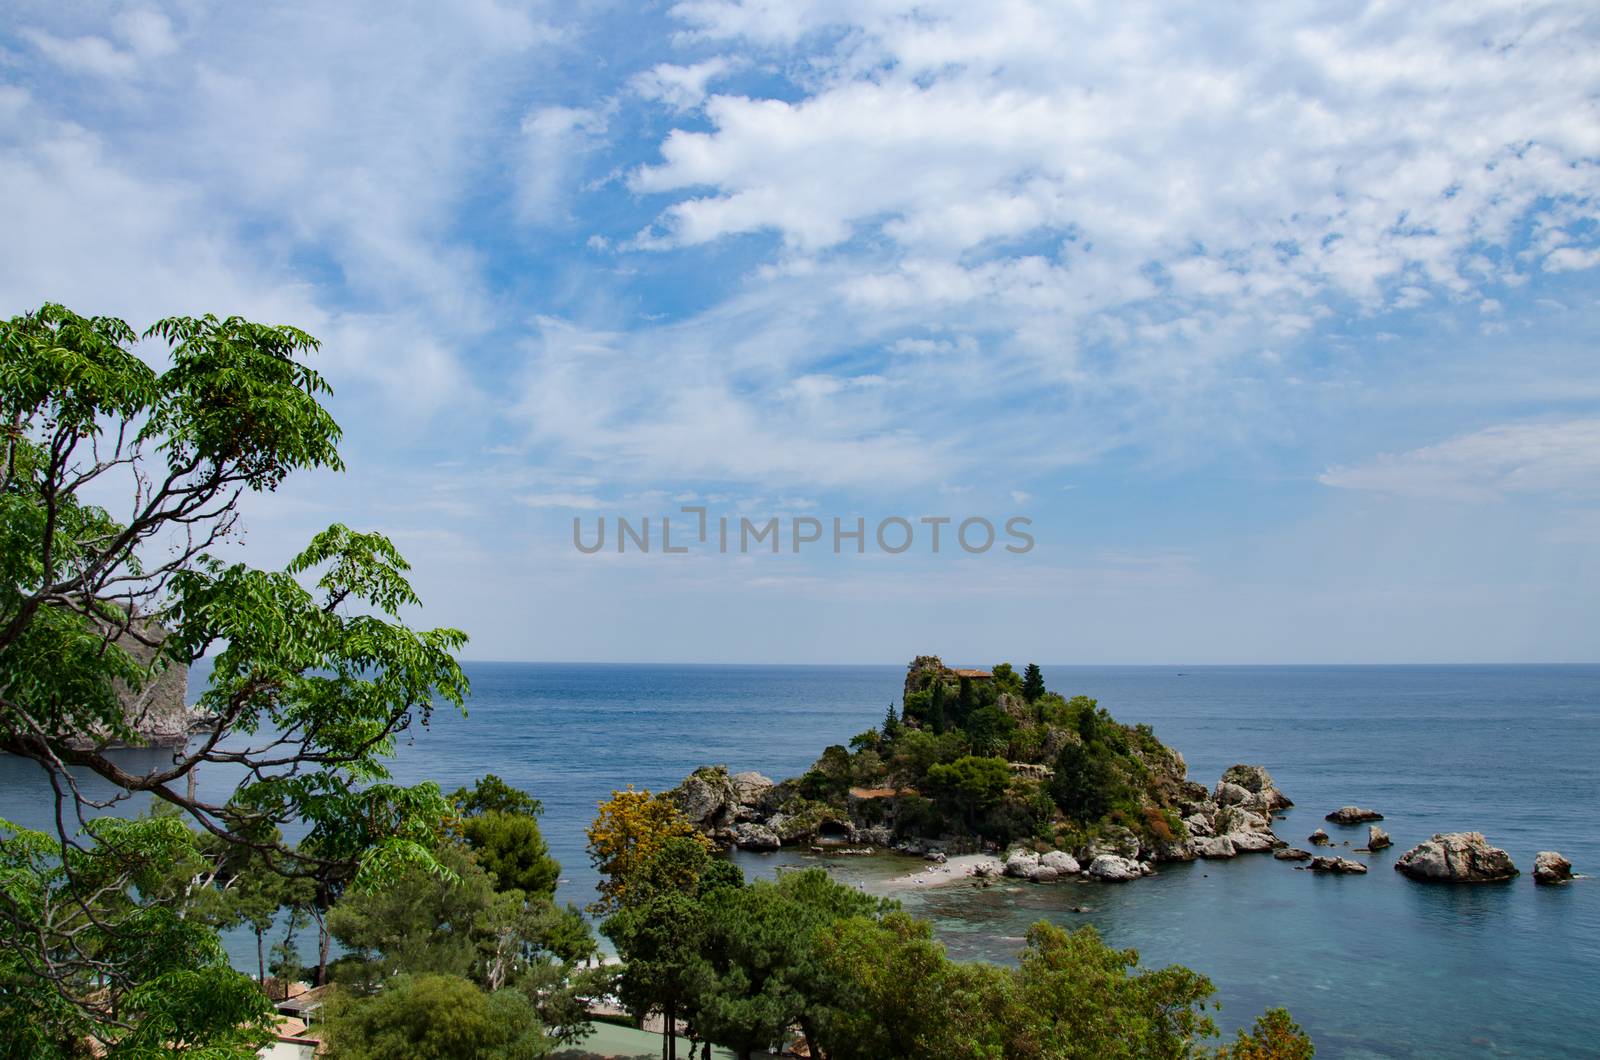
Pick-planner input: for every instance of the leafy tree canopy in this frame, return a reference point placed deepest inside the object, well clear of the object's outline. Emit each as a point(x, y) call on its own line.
point(314, 672)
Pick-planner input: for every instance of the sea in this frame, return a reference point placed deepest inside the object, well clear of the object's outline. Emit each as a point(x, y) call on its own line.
point(1371, 966)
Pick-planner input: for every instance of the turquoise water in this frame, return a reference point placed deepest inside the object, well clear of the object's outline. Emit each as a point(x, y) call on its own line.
point(1372, 965)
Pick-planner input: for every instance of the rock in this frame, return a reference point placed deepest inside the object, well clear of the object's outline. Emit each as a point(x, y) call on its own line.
point(935, 856)
point(1215, 847)
point(1377, 839)
point(749, 788)
point(1114, 840)
point(1353, 815)
point(1060, 861)
point(1551, 867)
point(1199, 825)
point(1257, 781)
point(1292, 854)
point(1254, 842)
point(1114, 869)
point(1231, 794)
point(983, 870)
point(1174, 850)
point(878, 836)
point(1026, 865)
point(1341, 866)
point(1319, 837)
point(701, 801)
point(1456, 857)
point(752, 836)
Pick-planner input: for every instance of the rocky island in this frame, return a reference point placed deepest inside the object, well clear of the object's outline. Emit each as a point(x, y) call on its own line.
point(992, 761)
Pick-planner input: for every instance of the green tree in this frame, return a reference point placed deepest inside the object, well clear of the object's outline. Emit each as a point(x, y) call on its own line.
point(971, 785)
point(891, 726)
point(1083, 783)
point(434, 1017)
point(1275, 1036)
point(1032, 683)
point(310, 685)
point(1087, 1000)
point(490, 794)
point(86, 899)
point(512, 848)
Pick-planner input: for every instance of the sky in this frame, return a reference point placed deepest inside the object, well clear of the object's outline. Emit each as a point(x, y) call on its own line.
point(1277, 323)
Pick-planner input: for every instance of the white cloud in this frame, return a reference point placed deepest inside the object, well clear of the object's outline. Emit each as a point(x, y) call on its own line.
point(680, 87)
point(1569, 259)
point(1552, 458)
point(555, 141)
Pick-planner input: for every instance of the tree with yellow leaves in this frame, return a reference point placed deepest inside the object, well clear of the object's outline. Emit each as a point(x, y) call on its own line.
point(630, 830)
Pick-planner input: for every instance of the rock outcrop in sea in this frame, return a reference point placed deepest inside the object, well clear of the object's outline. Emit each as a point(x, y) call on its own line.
point(1338, 866)
point(1353, 815)
point(1456, 857)
point(1550, 867)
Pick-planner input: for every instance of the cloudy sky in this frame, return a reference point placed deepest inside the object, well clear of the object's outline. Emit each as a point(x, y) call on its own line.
point(1277, 321)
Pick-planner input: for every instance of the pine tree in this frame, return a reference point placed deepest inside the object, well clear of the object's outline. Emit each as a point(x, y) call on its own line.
point(1032, 682)
point(891, 724)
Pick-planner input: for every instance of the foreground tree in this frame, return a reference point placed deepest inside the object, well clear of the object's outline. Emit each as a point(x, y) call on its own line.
point(434, 1017)
point(314, 674)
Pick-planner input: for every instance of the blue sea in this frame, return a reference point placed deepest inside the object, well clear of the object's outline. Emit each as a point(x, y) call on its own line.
point(1373, 965)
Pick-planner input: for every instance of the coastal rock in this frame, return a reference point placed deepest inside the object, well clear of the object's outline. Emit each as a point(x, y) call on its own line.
point(1175, 850)
point(1292, 854)
point(878, 836)
point(1114, 869)
point(936, 856)
point(706, 797)
point(1340, 866)
point(1114, 840)
point(1040, 868)
point(1257, 781)
point(1254, 842)
point(752, 836)
point(1456, 857)
point(1319, 837)
point(1061, 862)
point(750, 788)
point(1377, 838)
point(1231, 794)
point(1212, 847)
point(1353, 815)
point(1199, 825)
point(1551, 867)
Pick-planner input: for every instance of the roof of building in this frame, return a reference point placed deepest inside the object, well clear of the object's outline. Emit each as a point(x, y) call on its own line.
point(978, 675)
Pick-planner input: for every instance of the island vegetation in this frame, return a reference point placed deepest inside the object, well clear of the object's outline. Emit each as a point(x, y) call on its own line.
point(436, 931)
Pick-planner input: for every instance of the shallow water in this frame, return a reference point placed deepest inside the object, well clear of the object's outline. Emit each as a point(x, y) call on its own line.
point(1373, 965)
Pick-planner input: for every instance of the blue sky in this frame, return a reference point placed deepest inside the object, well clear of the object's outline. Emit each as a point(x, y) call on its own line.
point(1279, 324)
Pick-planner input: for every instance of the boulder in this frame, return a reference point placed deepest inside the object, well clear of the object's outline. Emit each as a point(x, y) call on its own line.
point(1377, 838)
point(936, 856)
point(1319, 837)
point(1059, 860)
point(1174, 850)
point(1231, 794)
point(705, 798)
point(1340, 866)
point(1199, 825)
point(1254, 842)
point(1114, 840)
point(1551, 867)
point(1353, 815)
point(1041, 868)
point(1456, 857)
point(752, 836)
point(1257, 781)
point(1215, 847)
point(1114, 869)
point(750, 788)
point(1292, 854)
